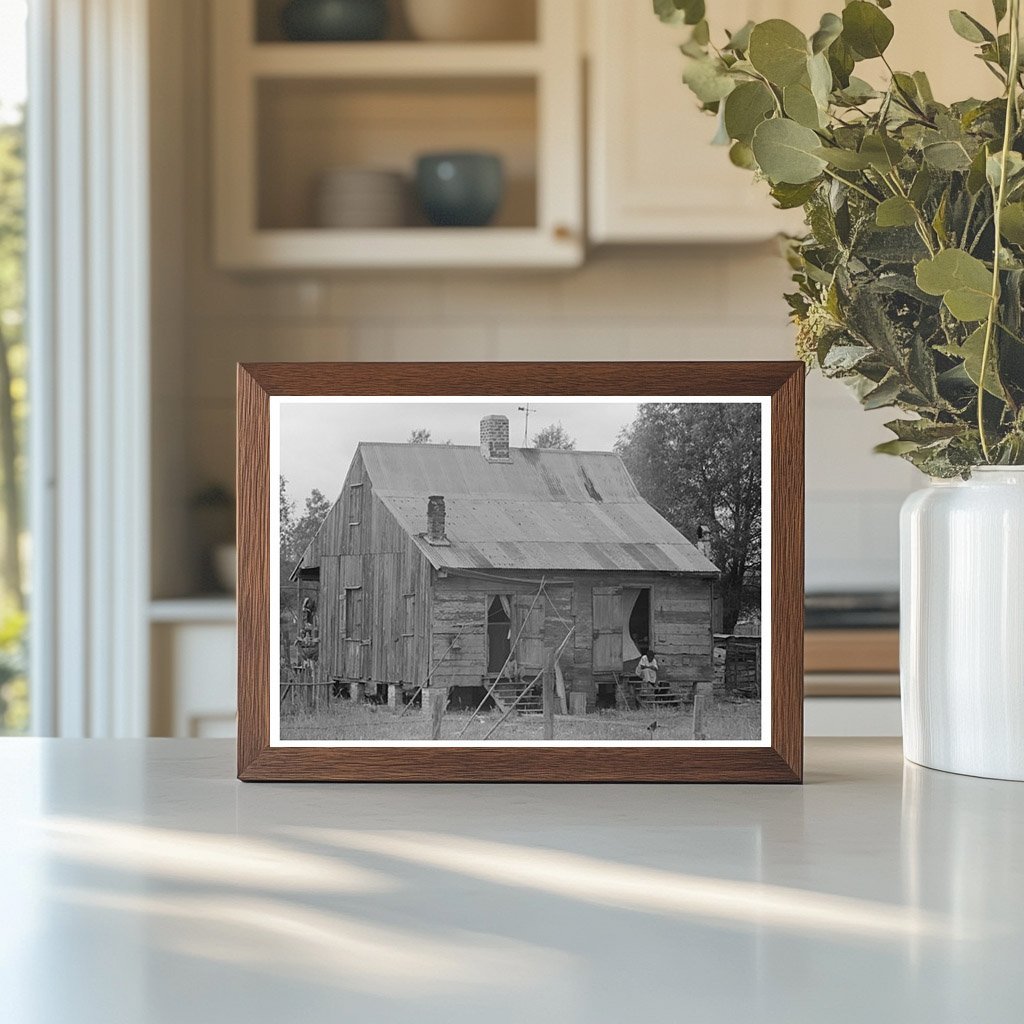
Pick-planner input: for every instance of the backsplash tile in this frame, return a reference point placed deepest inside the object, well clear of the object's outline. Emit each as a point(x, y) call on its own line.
point(715, 303)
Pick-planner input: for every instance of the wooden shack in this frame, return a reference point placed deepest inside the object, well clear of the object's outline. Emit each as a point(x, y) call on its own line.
point(456, 565)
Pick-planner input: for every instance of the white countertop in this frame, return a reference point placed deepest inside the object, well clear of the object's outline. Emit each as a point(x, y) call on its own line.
point(143, 885)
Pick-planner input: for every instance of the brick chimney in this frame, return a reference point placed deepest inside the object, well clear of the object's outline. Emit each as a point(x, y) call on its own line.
point(494, 438)
point(436, 520)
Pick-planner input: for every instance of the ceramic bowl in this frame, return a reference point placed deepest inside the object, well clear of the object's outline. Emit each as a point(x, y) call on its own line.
point(358, 197)
point(460, 189)
point(470, 20)
point(334, 20)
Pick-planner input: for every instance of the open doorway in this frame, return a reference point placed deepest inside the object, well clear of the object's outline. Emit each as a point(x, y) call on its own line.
point(499, 633)
point(639, 623)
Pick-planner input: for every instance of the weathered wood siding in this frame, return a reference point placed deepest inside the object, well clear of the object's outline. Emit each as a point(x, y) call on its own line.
point(386, 616)
point(374, 607)
point(681, 620)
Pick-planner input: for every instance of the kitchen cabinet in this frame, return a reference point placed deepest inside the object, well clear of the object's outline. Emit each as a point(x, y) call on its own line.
point(653, 175)
point(287, 113)
point(193, 668)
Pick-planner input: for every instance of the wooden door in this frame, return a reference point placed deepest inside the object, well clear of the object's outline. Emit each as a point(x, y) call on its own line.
point(607, 656)
point(530, 620)
point(407, 669)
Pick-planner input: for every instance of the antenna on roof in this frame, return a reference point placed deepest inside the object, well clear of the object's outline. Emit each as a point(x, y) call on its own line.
point(526, 429)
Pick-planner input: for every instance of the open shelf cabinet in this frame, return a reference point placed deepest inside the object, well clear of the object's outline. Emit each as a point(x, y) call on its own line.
point(285, 113)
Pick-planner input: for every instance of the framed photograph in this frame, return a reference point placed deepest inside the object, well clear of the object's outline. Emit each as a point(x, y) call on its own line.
point(524, 572)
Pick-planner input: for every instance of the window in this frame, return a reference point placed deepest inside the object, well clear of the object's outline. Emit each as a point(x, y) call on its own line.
point(353, 613)
point(14, 703)
point(354, 515)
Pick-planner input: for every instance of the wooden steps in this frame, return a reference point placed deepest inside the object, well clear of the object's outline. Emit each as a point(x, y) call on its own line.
point(507, 691)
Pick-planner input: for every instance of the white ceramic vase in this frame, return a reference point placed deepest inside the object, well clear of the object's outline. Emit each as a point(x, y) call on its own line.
point(962, 624)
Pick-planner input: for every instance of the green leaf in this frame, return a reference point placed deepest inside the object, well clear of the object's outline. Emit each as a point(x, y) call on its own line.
point(1012, 226)
point(820, 77)
point(676, 12)
point(778, 50)
point(844, 159)
point(976, 174)
point(885, 394)
point(1014, 169)
point(858, 91)
point(896, 212)
point(866, 29)
point(841, 60)
point(883, 153)
point(963, 281)
point(708, 80)
point(921, 185)
point(971, 352)
point(829, 30)
point(939, 220)
point(785, 152)
point(739, 41)
point(789, 197)
point(969, 28)
point(924, 87)
point(800, 105)
point(896, 447)
point(745, 108)
point(947, 156)
point(741, 155)
point(999, 7)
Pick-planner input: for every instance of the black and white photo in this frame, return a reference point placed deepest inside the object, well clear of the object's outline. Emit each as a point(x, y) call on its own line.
point(557, 571)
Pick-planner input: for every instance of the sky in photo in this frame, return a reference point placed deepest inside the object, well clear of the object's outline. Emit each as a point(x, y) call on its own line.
point(318, 439)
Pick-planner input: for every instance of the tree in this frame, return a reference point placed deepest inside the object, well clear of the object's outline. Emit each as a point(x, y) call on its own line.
point(304, 528)
point(700, 466)
point(286, 546)
point(12, 351)
point(419, 436)
point(296, 533)
point(554, 436)
point(13, 413)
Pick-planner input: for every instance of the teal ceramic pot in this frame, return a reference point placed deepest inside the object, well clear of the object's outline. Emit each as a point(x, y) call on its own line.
point(332, 21)
point(462, 190)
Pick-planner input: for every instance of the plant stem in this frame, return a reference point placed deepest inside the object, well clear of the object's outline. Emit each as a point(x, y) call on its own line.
point(856, 188)
point(923, 228)
point(993, 309)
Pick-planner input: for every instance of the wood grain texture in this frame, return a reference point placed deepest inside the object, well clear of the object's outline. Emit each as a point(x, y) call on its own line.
point(781, 762)
point(852, 650)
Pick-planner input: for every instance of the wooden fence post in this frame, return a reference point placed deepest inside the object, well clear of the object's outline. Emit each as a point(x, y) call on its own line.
point(438, 700)
point(548, 691)
point(701, 703)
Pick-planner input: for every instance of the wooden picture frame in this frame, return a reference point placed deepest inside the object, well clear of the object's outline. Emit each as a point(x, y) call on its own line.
point(779, 759)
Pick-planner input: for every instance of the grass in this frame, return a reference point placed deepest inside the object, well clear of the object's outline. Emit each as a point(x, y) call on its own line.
point(726, 720)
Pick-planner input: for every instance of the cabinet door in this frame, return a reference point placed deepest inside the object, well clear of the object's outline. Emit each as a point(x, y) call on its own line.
point(654, 175)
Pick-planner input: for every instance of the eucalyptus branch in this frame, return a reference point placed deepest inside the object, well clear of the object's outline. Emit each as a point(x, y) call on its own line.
point(923, 227)
point(850, 184)
point(1000, 200)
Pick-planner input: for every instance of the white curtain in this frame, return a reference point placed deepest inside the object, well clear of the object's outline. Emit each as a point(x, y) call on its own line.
point(630, 652)
point(89, 326)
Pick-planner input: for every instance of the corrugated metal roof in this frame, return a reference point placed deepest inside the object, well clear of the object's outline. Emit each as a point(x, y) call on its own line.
point(540, 510)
